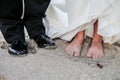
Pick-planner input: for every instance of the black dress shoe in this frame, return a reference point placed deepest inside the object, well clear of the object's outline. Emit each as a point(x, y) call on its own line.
point(18, 48)
point(43, 41)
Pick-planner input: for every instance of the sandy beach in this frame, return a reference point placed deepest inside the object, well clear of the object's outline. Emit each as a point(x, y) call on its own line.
point(57, 65)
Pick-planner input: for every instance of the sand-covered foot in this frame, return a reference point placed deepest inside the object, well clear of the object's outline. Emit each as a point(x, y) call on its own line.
point(74, 48)
point(95, 51)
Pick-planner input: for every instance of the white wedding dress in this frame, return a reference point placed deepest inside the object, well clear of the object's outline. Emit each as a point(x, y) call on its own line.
point(65, 18)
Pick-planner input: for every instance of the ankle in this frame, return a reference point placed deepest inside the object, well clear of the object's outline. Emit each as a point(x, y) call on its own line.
point(96, 43)
point(80, 41)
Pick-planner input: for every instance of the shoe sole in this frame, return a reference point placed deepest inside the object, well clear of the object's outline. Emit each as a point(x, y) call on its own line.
point(19, 55)
point(51, 47)
point(48, 47)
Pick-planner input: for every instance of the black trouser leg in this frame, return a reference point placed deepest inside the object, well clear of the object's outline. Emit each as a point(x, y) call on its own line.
point(34, 12)
point(11, 24)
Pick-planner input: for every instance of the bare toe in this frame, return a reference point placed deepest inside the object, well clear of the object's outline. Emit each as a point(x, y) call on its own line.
point(77, 53)
point(89, 54)
point(73, 49)
point(95, 51)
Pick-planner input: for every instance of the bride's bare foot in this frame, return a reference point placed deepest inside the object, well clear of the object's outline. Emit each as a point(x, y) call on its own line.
point(75, 46)
point(95, 51)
